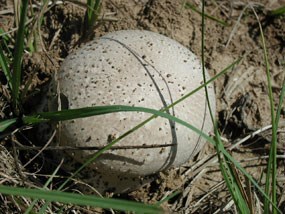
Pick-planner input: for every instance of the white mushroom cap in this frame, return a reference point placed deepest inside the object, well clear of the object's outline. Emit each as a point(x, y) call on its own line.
point(135, 68)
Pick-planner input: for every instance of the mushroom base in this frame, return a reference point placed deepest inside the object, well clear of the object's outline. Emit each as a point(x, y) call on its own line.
point(91, 181)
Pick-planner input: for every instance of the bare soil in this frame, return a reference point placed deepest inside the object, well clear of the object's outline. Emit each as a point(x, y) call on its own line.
point(242, 93)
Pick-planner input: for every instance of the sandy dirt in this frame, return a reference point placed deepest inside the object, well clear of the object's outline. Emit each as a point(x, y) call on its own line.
point(242, 93)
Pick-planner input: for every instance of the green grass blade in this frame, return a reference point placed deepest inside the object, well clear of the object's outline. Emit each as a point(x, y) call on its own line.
point(92, 10)
point(281, 100)
point(7, 123)
point(5, 67)
point(99, 110)
point(225, 167)
point(203, 63)
point(272, 162)
point(192, 7)
point(230, 179)
point(18, 53)
point(4, 36)
point(84, 200)
point(168, 198)
point(29, 210)
point(6, 39)
point(91, 15)
point(278, 12)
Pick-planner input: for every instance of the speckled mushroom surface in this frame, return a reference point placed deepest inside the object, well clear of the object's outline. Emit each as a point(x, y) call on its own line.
point(135, 68)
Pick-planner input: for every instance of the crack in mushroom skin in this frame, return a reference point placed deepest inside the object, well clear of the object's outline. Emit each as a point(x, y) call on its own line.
point(138, 68)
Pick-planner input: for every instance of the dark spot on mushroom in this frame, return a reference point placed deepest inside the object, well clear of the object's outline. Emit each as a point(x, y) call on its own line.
point(88, 139)
point(162, 150)
point(111, 138)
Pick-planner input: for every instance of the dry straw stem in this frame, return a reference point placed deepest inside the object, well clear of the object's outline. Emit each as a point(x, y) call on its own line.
point(41, 150)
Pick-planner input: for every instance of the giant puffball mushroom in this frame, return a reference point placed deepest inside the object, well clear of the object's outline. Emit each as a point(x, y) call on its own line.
point(134, 68)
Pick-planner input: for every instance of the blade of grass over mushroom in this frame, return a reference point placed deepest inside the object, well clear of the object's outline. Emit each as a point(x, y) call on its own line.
point(18, 53)
point(85, 200)
point(36, 119)
point(167, 116)
point(170, 117)
point(225, 166)
point(192, 7)
point(91, 111)
point(272, 162)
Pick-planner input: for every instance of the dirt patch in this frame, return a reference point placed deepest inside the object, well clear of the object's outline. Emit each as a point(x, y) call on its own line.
point(242, 93)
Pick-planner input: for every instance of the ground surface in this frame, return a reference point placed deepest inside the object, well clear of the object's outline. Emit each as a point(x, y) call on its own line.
point(242, 100)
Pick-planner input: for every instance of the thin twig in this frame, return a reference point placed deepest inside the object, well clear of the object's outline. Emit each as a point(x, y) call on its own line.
point(41, 150)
